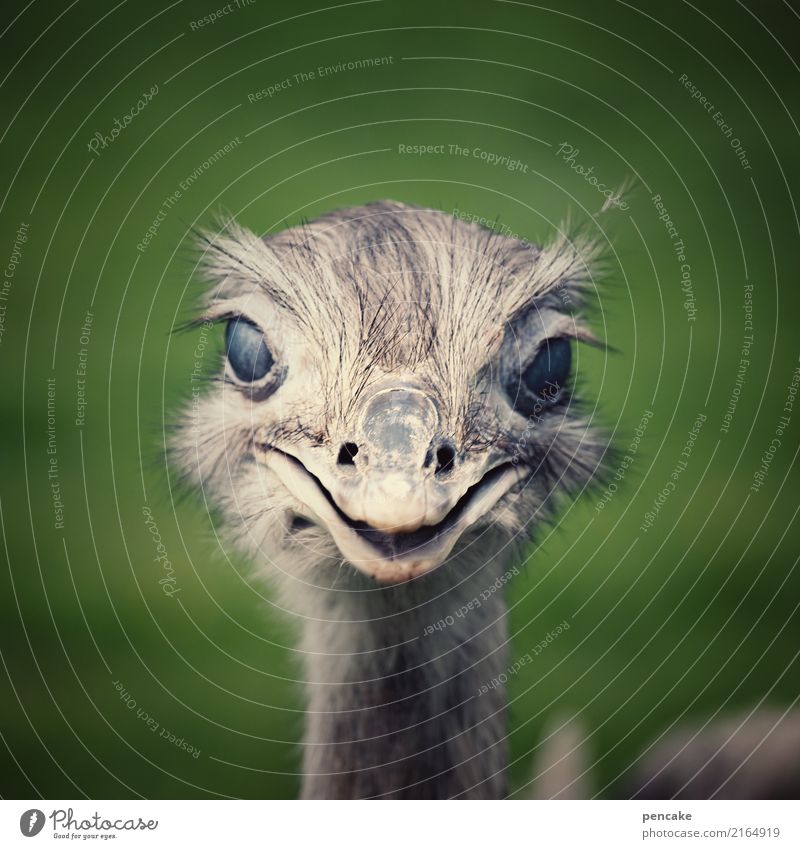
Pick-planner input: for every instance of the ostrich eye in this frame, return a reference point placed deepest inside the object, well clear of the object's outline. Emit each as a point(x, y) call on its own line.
point(248, 354)
point(544, 377)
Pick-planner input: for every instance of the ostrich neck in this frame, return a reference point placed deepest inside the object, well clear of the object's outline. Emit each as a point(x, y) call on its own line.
point(403, 700)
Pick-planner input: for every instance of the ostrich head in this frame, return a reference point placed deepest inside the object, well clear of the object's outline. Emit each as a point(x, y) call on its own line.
point(397, 387)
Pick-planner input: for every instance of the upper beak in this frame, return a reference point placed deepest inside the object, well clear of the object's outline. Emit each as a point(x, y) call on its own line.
point(396, 488)
point(397, 501)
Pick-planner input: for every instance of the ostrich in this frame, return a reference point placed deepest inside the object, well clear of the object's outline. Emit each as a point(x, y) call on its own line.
point(394, 417)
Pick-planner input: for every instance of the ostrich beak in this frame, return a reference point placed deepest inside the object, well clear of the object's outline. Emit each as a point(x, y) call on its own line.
point(397, 500)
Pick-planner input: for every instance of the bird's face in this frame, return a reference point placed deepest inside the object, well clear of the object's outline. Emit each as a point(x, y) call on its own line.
point(396, 384)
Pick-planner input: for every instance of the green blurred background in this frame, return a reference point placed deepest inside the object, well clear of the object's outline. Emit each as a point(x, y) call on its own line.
point(694, 616)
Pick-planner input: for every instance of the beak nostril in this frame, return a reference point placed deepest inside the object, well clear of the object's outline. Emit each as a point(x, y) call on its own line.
point(346, 454)
point(445, 458)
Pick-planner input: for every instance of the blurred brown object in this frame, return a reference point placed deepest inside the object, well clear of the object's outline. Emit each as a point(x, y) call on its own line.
point(750, 755)
point(563, 762)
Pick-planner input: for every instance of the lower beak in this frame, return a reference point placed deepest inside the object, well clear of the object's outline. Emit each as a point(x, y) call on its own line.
point(414, 524)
